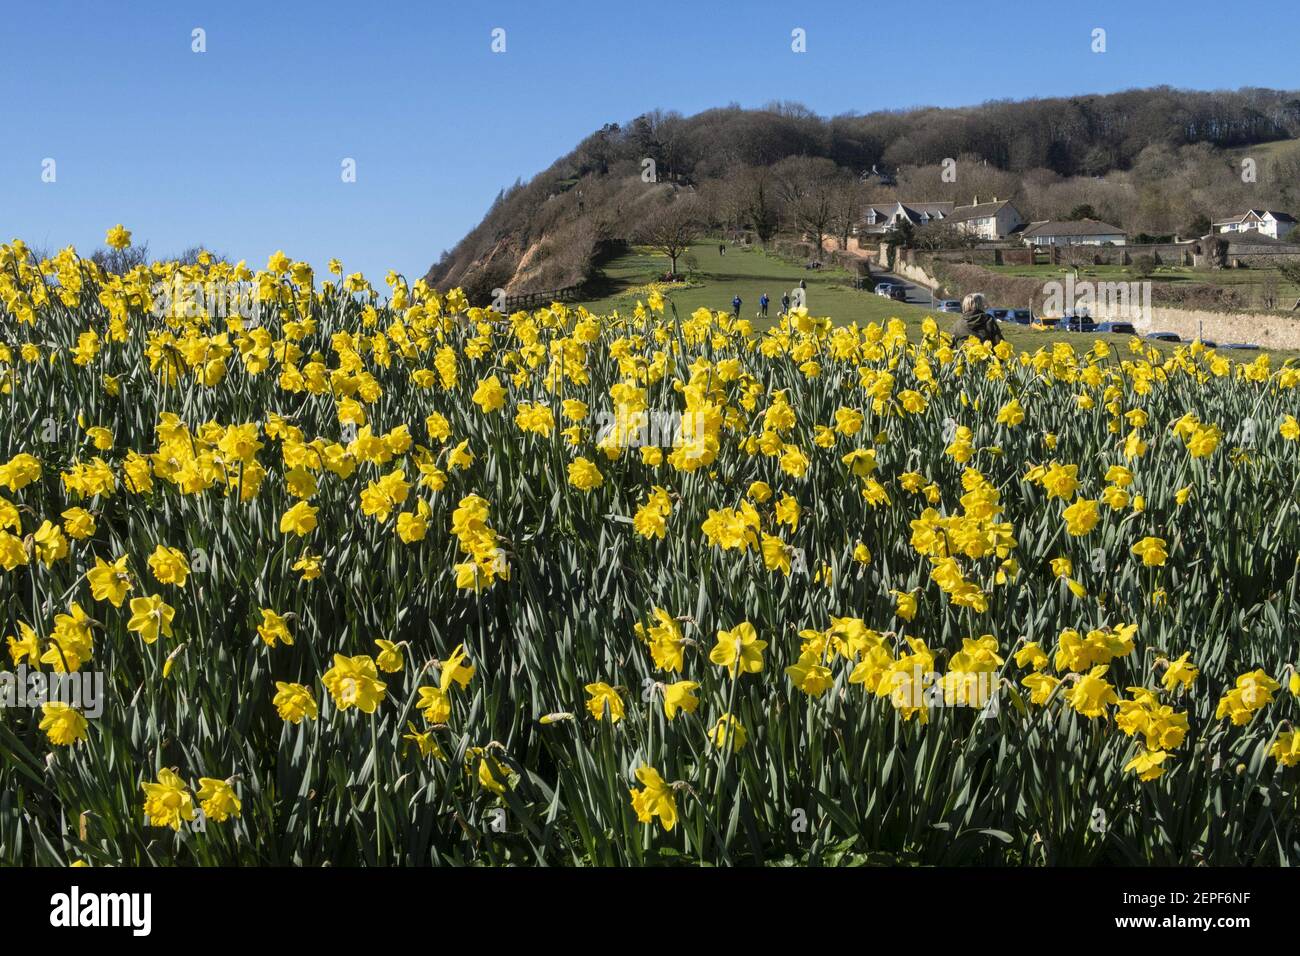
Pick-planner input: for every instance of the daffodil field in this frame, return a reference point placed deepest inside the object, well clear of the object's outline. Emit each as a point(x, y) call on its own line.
point(374, 577)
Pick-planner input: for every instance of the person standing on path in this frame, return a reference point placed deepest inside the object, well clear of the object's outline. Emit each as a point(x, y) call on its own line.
point(735, 307)
point(722, 248)
point(785, 303)
point(763, 300)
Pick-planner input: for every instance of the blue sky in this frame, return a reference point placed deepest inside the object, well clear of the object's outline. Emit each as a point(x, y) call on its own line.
point(240, 147)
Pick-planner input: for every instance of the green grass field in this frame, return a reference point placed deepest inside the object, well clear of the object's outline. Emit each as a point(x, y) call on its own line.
point(1287, 291)
point(749, 272)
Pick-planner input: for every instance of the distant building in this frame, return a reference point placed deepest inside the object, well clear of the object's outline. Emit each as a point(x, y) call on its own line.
point(881, 217)
point(879, 176)
point(987, 220)
point(1266, 222)
point(1074, 232)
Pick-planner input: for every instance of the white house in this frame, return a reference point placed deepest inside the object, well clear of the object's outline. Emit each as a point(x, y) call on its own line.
point(1266, 222)
point(881, 217)
point(987, 220)
point(1080, 232)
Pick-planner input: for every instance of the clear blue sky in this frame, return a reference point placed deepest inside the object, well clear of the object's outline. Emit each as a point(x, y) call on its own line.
point(240, 147)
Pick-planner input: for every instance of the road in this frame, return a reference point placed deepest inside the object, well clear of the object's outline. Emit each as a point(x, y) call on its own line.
point(916, 294)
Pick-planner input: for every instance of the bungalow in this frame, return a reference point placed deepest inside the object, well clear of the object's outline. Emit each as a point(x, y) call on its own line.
point(987, 220)
point(1080, 232)
point(881, 217)
point(1266, 222)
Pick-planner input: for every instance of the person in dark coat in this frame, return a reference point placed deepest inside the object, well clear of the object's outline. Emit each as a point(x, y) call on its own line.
point(976, 322)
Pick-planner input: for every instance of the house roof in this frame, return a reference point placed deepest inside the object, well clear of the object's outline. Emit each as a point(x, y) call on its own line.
point(981, 210)
point(928, 207)
point(1258, 214)
point(912, 210)
point(1072, 227)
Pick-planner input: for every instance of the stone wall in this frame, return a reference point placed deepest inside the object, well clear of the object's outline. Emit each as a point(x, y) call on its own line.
point(1263, 329)
point(1269, 331)
point(913, 272)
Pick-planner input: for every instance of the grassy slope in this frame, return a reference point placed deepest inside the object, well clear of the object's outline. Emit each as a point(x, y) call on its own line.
point(1261, 152)
point(750, 272)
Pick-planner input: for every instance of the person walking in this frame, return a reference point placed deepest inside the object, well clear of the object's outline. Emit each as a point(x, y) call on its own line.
point(785, 303)
point(722, 248)
point(975, 322)
point(735, 307)
point(763, 300)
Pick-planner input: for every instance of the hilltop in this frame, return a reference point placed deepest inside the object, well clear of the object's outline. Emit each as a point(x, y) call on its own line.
point(1155, 161)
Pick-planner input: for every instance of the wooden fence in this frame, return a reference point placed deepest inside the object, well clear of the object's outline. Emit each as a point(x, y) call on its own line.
point(536, 300)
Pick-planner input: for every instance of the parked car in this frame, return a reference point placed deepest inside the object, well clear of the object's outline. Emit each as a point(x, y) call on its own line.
point(898, 292)
point(1020, 316)
point(1243, 346)
point(1081, 322)
point(1117, 328)
point(949, 305)
point(1163, 336)
point(885, 289)
point(999, 314)
point(1209, 344)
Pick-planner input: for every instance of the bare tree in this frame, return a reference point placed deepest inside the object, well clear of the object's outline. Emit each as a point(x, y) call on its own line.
point(121, 261)
point(807, 187)
point(1076, 254)
point(673, 228)
point(848, 203)
point(726, 203)
point(760, 200)
point(1269, 290)
point(941, 234)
